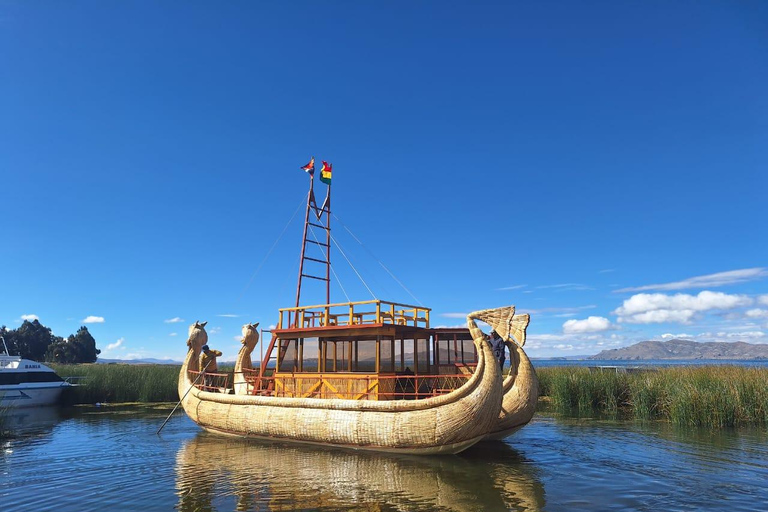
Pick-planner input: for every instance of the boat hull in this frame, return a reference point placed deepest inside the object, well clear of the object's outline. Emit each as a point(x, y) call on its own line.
point(31, 395)
point(445, 424)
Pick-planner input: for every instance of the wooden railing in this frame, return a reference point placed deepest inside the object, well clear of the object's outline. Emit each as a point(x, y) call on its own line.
point(353, 386)
point(353, 313)
point(211, 381)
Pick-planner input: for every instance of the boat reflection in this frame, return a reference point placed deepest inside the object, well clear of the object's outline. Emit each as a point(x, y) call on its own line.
point(221, 473)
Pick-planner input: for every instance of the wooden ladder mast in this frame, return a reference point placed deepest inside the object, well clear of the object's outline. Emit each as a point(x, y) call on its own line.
point(324, 247)
point(311, 207)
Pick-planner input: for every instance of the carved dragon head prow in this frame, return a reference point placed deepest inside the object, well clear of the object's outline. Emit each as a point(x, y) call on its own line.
point(250, 336)
point(503, 320)
point(197, 337)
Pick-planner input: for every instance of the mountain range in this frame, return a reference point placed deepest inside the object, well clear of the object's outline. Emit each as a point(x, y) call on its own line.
point(685, 349)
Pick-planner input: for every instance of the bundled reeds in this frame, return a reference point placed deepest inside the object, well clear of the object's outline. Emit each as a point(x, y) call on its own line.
point(701, 396)
point(113, 383)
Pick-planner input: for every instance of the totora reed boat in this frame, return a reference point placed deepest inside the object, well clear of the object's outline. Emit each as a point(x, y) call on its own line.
point(369, 375)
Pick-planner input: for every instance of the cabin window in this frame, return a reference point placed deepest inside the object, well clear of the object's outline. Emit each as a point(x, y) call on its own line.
point(422, 356)
point(405, 349)
point(309, 355)
point(364, 356)
point(444, 353)
point(347, 355)
point(468, 354)
point(288, 356)
point(386, 354)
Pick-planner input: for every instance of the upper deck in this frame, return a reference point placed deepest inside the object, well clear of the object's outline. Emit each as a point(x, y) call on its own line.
point(352, 314)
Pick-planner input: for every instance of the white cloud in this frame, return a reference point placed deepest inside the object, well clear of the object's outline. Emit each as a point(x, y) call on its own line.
point(590, 324)
point(116, 344)
point(93, 320)
point(174, 334)
point(707, 281)
point(454, 315)
point(229, 315)
point(647, 308)
point(606, 271)
point(763, 299)
point(174, 320)
point(237, 338)
point(669, 336)
point(214, 330)
point(30, 317)
point(515, 287)
point(757, 313)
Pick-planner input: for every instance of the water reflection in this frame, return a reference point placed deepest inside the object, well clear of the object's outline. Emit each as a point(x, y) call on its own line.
point(29, 421)
point(214, 473)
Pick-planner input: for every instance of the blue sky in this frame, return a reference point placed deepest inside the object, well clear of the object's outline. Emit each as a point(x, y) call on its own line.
point(599, 164)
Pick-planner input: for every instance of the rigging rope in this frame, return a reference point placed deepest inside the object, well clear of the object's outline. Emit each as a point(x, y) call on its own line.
point(331, 266)
point(377, 259)
point(338, 246)
point(270, 251)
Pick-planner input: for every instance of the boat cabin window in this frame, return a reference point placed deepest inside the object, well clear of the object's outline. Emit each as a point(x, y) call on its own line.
point(455, 348)
point(386, 354)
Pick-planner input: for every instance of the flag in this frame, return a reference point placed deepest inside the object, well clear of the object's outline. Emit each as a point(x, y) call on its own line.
point(310, 167)
point(325, 173)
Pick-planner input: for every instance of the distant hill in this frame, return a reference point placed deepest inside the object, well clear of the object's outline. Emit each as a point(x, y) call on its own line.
point(685, 349)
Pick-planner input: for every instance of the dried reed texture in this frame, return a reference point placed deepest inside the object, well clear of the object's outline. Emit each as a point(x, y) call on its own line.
point(521, 386)
point(444, 424)
point(249, 341)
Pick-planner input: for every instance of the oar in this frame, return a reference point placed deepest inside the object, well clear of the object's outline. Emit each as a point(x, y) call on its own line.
point(183, 397)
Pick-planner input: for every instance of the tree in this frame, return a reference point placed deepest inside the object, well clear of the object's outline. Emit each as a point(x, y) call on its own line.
point(78, 348)
point(30, 340)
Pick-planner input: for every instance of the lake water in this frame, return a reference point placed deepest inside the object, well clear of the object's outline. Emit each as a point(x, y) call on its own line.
point(110, 458)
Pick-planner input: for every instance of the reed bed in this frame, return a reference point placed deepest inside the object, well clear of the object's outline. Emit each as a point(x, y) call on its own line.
point(114, 383)
point(702, 396)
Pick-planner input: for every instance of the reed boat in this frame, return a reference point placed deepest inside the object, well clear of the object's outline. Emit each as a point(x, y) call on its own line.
point(370, 375)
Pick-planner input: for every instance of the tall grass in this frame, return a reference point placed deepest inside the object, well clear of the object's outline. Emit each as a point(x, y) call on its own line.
point(112, 383)
point(704, 396)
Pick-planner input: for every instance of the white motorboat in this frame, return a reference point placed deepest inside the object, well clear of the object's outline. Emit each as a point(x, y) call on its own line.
point(26, 383)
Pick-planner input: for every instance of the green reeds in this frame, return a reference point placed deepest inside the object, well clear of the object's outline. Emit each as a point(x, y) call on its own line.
point(114, 383)
point(703, 396)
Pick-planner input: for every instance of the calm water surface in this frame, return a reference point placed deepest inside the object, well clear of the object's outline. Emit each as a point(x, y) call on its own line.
point(111, 459)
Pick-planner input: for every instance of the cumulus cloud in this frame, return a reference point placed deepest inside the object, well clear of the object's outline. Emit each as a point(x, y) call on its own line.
point(763, 299)
point(669, 336)
point(757, 313)
point(30, 317)
point(174, 320)
point(214, 330)
point(116, 344)
point(174, 334)
point(590, 324)
point(707, 281)
point(649, 308)
point(93, 320)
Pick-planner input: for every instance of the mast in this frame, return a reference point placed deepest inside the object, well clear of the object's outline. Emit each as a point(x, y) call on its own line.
point(325, 247)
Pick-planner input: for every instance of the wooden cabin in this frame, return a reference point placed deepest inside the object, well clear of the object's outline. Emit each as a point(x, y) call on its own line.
point(371, 350)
